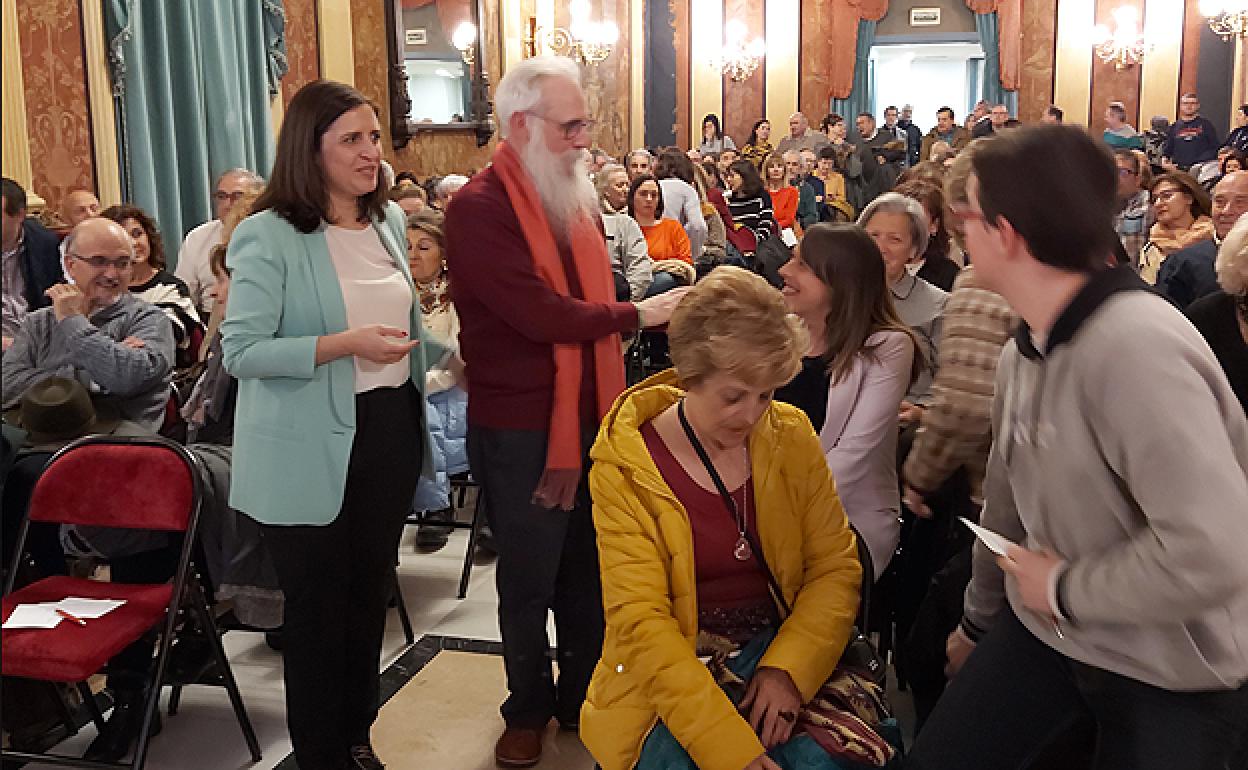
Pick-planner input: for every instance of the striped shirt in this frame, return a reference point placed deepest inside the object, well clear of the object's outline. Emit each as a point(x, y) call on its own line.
point(753, 213)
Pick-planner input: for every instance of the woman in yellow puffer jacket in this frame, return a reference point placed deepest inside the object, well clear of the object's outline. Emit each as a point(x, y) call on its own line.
point(677, 558)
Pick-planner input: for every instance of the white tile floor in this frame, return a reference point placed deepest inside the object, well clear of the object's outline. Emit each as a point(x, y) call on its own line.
point(205, 735)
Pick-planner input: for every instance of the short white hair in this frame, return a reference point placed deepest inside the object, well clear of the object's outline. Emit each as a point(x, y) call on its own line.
point(449, 185)
point(896, 203)
point(520, 90)
point(639, 151)
point(1232, 264)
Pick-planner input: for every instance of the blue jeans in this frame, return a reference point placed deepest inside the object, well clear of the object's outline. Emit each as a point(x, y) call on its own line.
point(662, 282)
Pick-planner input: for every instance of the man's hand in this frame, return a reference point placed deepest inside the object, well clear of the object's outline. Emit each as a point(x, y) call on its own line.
point(657, 310)
point(67, 300)
point(773, 702)
point(910, 413)
point(134, 342)
point(1032, 570)
point(958, 647)
point(7, 343)
point(915, 502)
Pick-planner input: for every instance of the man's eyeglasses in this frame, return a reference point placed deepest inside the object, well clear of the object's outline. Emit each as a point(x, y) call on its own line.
point(570, 128)
point(103, 263)
point(223, 196)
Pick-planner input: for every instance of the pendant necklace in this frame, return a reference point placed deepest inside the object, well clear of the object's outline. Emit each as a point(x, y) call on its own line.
point(742, 551)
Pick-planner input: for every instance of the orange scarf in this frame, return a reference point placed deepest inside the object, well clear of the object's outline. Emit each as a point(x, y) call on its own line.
point(593, 272)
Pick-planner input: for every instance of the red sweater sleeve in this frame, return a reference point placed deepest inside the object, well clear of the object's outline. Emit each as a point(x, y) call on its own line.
point(488, 259)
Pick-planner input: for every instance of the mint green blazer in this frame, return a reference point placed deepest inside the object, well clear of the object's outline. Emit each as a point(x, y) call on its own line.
point(295, 421)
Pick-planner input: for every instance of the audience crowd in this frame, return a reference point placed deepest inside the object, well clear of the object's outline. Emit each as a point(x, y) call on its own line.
point(844, 342)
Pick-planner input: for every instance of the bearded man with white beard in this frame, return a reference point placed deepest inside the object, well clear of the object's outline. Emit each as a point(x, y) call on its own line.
point(97, 332)
point(531, 281)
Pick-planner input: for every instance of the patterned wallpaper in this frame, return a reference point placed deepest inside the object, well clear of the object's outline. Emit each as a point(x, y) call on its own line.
point(57, 120)
point(302, 47)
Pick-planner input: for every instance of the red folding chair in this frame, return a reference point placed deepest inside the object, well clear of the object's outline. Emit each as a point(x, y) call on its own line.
point(129, 483)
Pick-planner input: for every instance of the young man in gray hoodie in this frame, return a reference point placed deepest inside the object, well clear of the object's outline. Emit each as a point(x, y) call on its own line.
point(1120, 469)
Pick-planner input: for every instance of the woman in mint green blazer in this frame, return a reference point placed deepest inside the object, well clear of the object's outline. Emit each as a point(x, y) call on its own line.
point(324, 337)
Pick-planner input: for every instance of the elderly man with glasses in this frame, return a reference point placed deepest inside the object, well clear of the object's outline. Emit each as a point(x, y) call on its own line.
point(119, 347)
point(193, 258)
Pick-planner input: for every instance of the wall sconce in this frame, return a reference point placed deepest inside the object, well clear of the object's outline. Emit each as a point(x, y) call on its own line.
point(1124, 45)
point(740, 58)
point(464, 38)
point(585, 40)
point(1227, 18)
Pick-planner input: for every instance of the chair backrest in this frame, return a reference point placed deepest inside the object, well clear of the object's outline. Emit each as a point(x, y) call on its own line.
point(868, 577)
point(125, 482)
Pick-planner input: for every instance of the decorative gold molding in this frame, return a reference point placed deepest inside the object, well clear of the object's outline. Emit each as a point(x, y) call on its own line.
point(637, 75)
point(103, 111)
point(335, 38)
point(784, 31)
point(14, 142)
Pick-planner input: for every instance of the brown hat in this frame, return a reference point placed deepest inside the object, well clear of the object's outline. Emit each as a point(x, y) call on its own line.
point(58, 410)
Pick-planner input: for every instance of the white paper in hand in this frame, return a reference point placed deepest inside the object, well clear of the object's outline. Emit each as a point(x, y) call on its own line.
point(997, 544)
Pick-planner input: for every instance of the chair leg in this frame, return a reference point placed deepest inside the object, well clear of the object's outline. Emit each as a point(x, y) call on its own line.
point(200, 607)
point(478, 514)
point(62, 707)
point(88, 698)
point(175, 699)
point(401, 605)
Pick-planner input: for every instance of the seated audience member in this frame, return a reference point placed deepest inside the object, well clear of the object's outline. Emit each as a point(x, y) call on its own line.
point(1181, 209)
point(703, 487)
point(899, 227)
point(934, 265)
point(665, 238)
point(631, 265)
point(680, 200)
point(1155, 137)
point(447, 414)
point(638, 162)
point(714, 177)
point(411, 198)
point(120, 347)
point(713, 137)
point(598, 158)
point(714, 250)
point(750, 207)
point(78, 205)
point(1134, 215)
point(446, 188)
point(836, 206)
point(795, 174)
point(952, 442)
point(150, 282)
point(31, 261)
point(694, 156)
point(193, 266)
point(856, 163)
point(406, 179)
point(946, 130)
point(855, 372)
point(784, 196)
point(724, 162)
point(1188, 274)
point(1114, 601)
point(927, 172)
point(758, 146)
point(1119, 134)
point(1222, 317)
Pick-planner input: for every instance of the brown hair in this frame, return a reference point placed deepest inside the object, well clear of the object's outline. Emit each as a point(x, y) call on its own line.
point(297, 190)
point(156, 245)
point(848, 263)
point(1202, 205)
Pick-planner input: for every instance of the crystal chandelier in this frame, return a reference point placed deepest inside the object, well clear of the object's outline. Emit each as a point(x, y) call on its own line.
point(740, 58)
point(1124, 45)
point(1227, 18)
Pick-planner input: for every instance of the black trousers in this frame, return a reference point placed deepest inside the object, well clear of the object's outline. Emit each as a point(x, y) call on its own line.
point(337, 580)
point(547, 561)
point(1016, 695)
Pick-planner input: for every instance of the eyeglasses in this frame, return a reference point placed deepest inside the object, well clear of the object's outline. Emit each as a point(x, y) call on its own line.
point(1164, 195)
point(233, 197)
point(570, 128)
point(103, 263)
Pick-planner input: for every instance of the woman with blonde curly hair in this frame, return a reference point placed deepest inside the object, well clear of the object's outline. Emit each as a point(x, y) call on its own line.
point(1222, 317)
point(720, 534)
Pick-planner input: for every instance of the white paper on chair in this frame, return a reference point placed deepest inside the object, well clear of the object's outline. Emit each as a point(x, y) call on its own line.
point(87, 608)
point(33, 616)
point(995, 543)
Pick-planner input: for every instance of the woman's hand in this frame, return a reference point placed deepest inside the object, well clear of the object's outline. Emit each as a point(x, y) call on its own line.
point(380, 344)
point(958, 647)
point(763, 762)
point(773, 702)
point(909, 413)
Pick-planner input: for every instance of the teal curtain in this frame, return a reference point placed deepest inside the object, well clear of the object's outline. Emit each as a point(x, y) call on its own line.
point(192, 82)
point(859, 99)
point(990, 41)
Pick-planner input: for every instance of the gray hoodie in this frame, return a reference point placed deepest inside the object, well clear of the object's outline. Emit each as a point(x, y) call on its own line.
point(136, 380)
point(1122, 449)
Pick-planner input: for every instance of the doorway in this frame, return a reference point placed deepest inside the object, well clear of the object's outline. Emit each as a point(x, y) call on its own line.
point(927, 76)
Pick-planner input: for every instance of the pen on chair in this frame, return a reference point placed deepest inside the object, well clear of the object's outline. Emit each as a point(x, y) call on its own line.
point(74, 618)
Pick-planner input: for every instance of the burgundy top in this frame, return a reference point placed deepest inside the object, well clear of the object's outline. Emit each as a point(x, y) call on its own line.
point(725, 585)
point(510, 318)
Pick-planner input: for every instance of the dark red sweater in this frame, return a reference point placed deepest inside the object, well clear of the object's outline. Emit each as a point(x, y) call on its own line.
point(510, 318)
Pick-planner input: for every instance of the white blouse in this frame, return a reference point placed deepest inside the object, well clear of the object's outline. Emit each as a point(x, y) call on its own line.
point(375, 292)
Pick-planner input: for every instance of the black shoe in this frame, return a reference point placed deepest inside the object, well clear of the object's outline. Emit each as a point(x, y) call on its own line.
point(433, 536)
point(122, 728)
point(363, 758)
